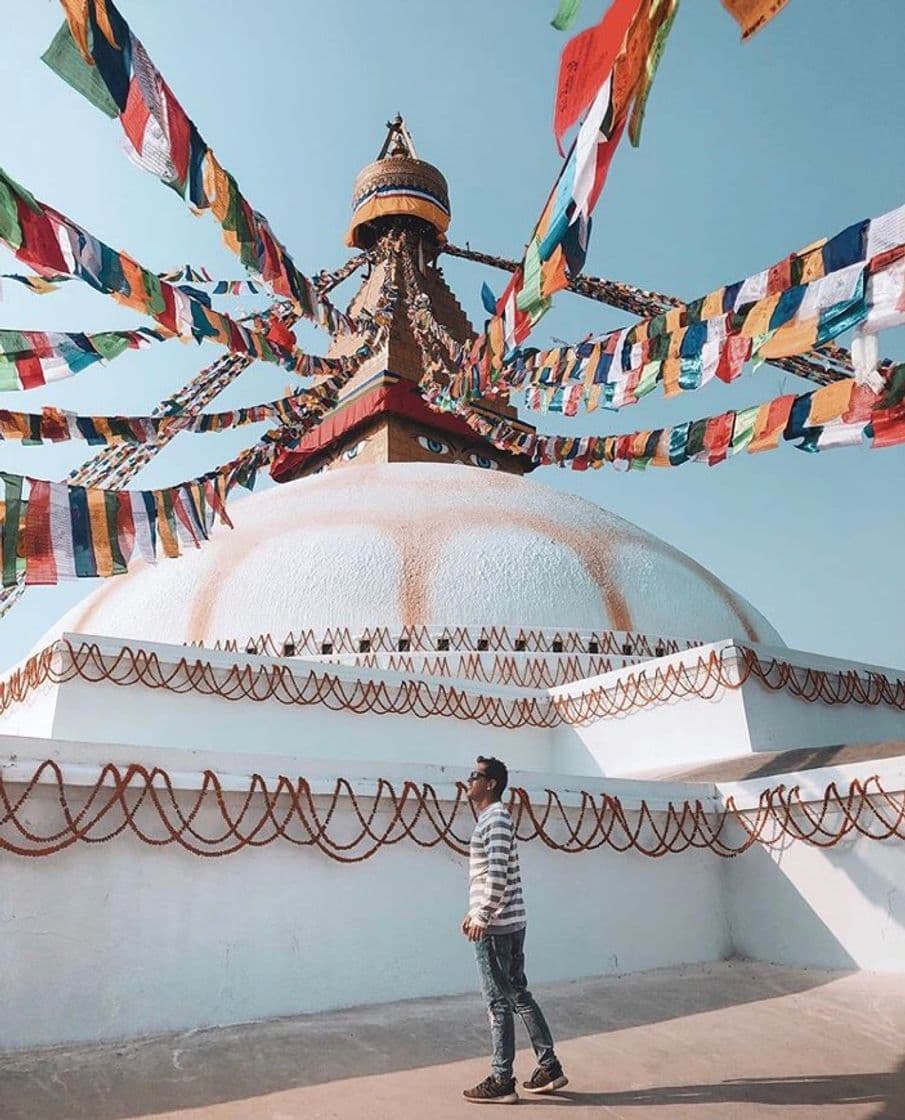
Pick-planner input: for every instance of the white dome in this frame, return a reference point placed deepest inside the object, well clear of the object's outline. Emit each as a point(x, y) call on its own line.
point(418, 544)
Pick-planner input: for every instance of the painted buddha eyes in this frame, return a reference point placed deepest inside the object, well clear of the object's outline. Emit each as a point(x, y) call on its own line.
point(434, 446)
point(353, 451)
point(482, 461)
point(439, 447)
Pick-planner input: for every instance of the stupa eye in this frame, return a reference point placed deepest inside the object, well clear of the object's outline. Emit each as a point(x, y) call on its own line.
point(483, 461)
point(352, 452)
point(434, 446)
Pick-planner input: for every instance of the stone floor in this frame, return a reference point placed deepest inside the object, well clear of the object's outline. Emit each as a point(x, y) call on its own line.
point(731, 1041)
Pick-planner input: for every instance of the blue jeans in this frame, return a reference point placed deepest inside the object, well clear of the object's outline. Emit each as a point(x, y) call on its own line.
point(501, 966)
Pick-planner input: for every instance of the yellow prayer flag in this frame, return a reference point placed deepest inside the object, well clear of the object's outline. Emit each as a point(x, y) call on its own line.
point(672, 368)
point(712, 307)
point(811, 258)
point(100, 532)
point(752, 15)
point(757, 320)
point(790, 339)
point(77, 18)
point(830, 401)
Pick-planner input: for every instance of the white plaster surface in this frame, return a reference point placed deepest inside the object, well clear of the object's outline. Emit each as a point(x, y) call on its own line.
point(722, 723)
point(122, 939)
point(835, 907)
point(664, 736)
point(418, 544)
point(128, 939)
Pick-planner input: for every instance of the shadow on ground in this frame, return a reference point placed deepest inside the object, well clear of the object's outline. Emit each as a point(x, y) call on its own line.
point(883, 1088)
point(202, 1068)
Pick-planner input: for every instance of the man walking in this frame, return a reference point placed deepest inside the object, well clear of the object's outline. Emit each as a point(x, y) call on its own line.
point(495, 922)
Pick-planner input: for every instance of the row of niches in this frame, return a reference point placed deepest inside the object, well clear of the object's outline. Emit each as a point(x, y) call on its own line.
point(519, 670)
point(425, 639)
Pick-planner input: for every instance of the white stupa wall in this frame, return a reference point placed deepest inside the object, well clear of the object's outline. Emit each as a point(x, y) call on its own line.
point(144, 716)
point(807, 906)
point(420, 544)
point(677, 733)
point(123, 939)
point(725, 722)
point(781, 721)
point(130, 939)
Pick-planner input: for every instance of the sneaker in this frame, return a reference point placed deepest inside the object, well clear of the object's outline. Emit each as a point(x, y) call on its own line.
point(546, 1080)
point(493, 1091)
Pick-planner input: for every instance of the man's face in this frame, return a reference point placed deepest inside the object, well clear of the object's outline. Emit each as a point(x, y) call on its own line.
point(477, 784)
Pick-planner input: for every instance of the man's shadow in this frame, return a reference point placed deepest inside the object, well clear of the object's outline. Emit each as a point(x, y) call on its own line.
point(886, 1089)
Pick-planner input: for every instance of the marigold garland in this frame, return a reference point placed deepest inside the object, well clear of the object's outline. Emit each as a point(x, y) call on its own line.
point(730, 668)
point(145, 802)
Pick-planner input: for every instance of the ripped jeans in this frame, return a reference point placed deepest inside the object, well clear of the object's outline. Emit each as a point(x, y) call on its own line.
point(501, 966)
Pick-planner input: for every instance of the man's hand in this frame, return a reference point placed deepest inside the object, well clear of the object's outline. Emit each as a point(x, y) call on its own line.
point(472, 929)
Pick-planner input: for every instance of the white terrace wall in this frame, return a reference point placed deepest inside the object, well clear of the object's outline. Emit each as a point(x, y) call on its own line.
point(684, 731)
point(677, 732)
point(837, 907)
point(144, 716)
point(122, 939)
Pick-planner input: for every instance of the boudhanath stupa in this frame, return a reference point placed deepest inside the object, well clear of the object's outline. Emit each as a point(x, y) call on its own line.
point(302, 698)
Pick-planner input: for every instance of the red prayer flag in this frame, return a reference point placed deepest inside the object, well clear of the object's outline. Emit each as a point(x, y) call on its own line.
point(736, 351)
point(179, 128)
point(39, 247)
point(280, 335)
point(888, 425)
point(40, 565)
point(30, 371)
point(125, 525)
point(586, 61)
point(134, 118)
point(717, 437)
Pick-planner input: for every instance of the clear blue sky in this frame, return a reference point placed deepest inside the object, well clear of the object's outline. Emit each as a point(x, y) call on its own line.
point(749, 152)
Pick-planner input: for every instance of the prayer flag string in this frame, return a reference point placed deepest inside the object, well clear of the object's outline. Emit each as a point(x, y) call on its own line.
point(837, 415)
point(856, 278)
point(48, 241)
point(97, 54)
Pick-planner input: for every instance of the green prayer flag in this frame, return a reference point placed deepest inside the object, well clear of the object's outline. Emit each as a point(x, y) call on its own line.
point(65, 59)
point(18, 191)
point(743, 429)
point(530, 298)
point(109, 344)
point(10, 230)
point(650, 375)
point(14, 343)
point(565, 14)
point(9, 375)
point(894, 393)
point(9, 532)
point(111, 509)
point(156, 303)
point(695, 444)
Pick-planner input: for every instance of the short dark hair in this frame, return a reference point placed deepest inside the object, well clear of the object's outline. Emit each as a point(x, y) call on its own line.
point(497, 772)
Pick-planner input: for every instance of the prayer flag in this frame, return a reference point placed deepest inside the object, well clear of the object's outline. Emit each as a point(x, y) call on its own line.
point(565, 14)
point(752, 15)
point(586, 61)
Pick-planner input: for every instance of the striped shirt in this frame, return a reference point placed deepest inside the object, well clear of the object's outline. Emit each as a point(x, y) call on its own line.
point(495, 883)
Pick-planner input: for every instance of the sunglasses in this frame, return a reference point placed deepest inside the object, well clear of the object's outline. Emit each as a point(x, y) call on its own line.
point(475, 774)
